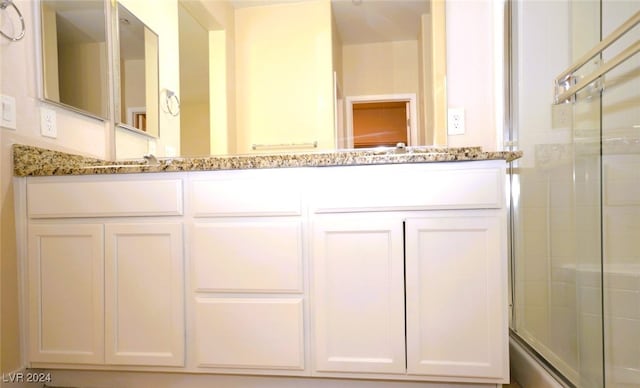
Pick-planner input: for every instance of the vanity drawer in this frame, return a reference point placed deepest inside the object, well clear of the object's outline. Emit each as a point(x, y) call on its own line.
point(247, 193)
point(104, 198)
point(437, 186)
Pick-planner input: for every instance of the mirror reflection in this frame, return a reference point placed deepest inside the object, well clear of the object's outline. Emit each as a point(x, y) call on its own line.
point(138, 89)
point(74, 55)
point(307, 75)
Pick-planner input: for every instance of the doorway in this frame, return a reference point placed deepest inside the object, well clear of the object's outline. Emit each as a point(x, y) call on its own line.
point(383, 120)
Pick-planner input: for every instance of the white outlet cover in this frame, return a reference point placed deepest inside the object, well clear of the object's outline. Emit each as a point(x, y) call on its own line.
point(48, 125)
point(455, 121)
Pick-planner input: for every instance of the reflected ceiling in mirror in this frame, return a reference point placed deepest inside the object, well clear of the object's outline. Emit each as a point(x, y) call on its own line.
point(362, 21)
point(74, 55)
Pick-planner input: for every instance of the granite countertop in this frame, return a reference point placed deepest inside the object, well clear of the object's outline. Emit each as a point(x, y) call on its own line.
point(34, 161)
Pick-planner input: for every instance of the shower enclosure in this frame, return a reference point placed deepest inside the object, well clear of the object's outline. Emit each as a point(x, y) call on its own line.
point(576, 192)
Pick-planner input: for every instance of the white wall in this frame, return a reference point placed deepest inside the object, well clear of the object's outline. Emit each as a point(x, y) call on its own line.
point(470, 70)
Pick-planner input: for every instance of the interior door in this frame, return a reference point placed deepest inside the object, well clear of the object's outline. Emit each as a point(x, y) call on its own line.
point(380, 124)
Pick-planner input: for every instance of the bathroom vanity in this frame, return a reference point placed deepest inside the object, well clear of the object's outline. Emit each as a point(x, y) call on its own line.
point(353, 264)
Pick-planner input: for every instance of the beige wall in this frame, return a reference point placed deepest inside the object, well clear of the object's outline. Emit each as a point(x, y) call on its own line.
point(434, 39)
point(83, 76)
point(133, 95)
point(218, 17)
point(380, 68)
point(284, 90)
point(195, 126)
point(151, 79)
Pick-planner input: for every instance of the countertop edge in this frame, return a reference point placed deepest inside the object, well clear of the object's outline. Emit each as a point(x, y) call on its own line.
point(35, 161)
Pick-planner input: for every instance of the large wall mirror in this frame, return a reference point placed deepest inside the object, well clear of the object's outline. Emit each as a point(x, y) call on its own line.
point(302, 72)
point(137, 87)
point(75, 64)
point(263, 75)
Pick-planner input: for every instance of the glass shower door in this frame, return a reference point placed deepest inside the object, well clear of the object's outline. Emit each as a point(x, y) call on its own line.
point(620, 114)
point(556, 192)
point(576, 192)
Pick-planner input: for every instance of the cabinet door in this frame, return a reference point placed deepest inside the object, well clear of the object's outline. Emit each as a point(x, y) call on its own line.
point(144, 290)
point(456, 282)
point(65, 269)
point(358, 294)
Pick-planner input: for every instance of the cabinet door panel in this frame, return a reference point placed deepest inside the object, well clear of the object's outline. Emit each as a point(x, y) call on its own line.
point(144, 294)
point(65, 270)
point(247, 256)
point(358, 294)
point(250, 333)
point(456, 297)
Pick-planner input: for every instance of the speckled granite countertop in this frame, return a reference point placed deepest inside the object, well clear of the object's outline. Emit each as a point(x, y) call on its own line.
point(34, 161)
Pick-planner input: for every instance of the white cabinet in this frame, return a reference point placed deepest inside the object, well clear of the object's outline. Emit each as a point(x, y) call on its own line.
point(327, 272)
point(105, 288)
point(446, 269)
point(246, 254)
point(410, 283)
point(456, 285)
point(66, 283)
point(144, 288)
point(106, 293)
point(248, 297)
point(358, 294)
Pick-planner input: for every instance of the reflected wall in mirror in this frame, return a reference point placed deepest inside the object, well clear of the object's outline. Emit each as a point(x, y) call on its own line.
point(74, 55)
point(295, 64)
point(138, 92)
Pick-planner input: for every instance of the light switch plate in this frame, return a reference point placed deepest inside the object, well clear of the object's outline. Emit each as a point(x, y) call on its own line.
point(7, 112)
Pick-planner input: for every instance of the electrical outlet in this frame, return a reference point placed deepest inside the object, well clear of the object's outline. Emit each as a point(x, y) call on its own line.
point(48, 126)
point(455, 121)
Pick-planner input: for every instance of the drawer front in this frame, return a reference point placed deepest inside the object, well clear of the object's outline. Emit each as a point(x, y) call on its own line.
point(247, 257)
point(264, 333)
point(245, 197)
point(411, 187)
point(62, 199)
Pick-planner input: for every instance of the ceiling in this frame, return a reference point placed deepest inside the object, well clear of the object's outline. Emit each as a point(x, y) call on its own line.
point(366, 21)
